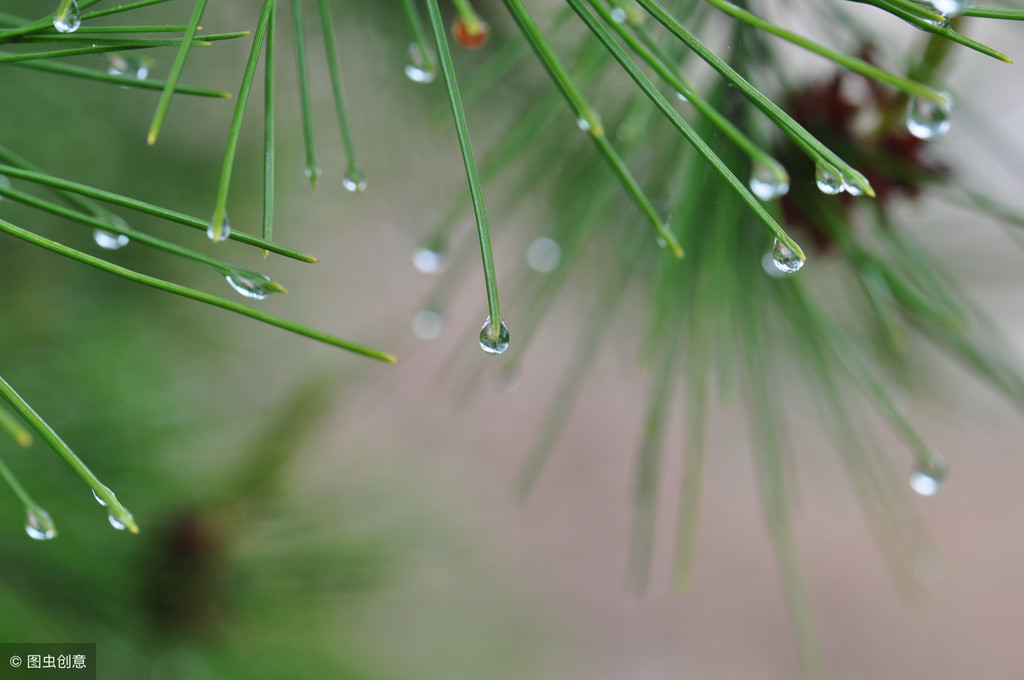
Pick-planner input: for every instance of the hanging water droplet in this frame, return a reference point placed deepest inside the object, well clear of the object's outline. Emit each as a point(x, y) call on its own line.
point(583, 124)
point(225, 231)
point(115, 522)
point(98, 499)
point(419, 69)
point(543, 255)
point(108, 240)
point(5, 182)
point(251, 285)
point(681, 97)
point(928, 479)
point(427, 260)
point(618, 15)
point(768, 265)
point(470, 37)
point(129, 65)
point(354, 180)
point(493, 345)
point(928, 119)
point(39, 526)
point(313, 172)
point(950, 8)
point(785, 259)
point(427, 324)
point(766, 184)
point(828, 181)
point(851, 188)
point(68, 20)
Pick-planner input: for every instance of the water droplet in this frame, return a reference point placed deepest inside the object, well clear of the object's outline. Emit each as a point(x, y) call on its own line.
point(39, 526)
point(493, 345)
point(543, 255)
point(583, 124)
point(98, 499)
point(251, 285)
point(928, 119)
point(419, 69)
point(785, 259)
point(427, 260)
point(929, 568)
point(928, 479)
point(852, 188)
point(681, 97)
point(225, 231)
point(618, 15)
point(115, 522)
point(427, 324)
point(950, 8)
point(313, 172)
point(108, 240)
point(768, 265)
point(472, 38)
point(828, 181)
point(129, 65)
point(5, 182)
point(354, 180)
point(767, 185)
point(69, 20)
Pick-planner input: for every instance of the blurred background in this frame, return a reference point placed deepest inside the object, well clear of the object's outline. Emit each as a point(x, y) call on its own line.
point(308, 513)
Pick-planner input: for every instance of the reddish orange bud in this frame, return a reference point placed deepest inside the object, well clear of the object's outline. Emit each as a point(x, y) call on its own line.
point(470, 39)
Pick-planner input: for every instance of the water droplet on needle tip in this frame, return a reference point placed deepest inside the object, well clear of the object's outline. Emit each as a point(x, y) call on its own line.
point(490, 344)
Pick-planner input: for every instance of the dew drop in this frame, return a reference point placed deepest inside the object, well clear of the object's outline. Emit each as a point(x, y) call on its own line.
point(785, 259)
point(767, 185)
point(354, 180)
point(583, 124)
point(928, 119)
point(828, 182)
point(313, 172)
point(251, 285)
point(543, 255)
point(768, 265)
point(950, 8)
point(69, 20)
point(427, 260)
point(427, 324)
point(470, 39)
point(419, 70)
point(115, 522)
point(39, 526)
point(928, 479)
point(5, 182)
point(225, 231)
point(852, 188)
point(618, 15)
point(129, 66)
point(681, 97)
point(108, 240)
point(98, 499)
point(493, 345)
